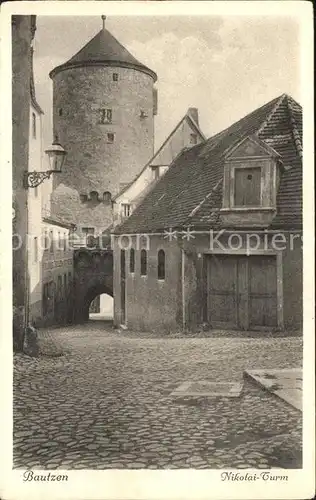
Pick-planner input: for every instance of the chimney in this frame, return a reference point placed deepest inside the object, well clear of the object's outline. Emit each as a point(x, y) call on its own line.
point(194, 113)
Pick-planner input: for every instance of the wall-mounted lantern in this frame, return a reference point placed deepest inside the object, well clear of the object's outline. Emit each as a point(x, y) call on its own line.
point(56, 157)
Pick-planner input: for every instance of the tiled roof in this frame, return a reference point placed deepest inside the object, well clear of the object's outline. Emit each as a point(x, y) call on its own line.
point(190, 193)
point(103, 49)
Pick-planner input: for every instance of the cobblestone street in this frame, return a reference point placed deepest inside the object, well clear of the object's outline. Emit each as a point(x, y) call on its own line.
point(106, 403)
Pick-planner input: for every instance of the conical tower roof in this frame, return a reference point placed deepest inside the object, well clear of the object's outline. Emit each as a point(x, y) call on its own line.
point(104, 50)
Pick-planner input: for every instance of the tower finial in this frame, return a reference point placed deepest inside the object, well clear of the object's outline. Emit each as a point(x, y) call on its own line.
point(103, 21)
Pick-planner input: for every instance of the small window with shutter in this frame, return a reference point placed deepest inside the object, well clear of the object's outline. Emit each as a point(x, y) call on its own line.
point(247, 188)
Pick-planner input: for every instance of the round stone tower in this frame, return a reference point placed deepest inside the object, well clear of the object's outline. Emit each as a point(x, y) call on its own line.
point(103, 115)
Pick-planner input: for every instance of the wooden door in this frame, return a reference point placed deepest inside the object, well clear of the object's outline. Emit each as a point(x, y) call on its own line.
point(242, 291)
point(222, 291)
point(262, 291)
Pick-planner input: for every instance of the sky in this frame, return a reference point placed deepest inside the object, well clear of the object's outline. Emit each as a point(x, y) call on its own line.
point(225, 66)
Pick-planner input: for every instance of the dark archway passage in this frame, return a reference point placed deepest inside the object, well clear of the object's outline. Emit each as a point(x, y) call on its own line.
point(93, 277)
point(92, 293)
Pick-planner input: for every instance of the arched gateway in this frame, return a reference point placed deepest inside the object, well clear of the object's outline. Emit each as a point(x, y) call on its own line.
point(93, 270)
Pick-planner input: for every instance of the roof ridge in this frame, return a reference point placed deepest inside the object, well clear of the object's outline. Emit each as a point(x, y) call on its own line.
point(270, 115)
point(213, 190)
point(198, 128)
point(295, 133)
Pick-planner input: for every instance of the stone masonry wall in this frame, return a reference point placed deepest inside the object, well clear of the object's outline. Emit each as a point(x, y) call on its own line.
point(92, 163)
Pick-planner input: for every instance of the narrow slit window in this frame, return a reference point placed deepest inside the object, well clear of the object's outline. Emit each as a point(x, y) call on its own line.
point(51, 241)
point(34, 125)
point(132, 260)
point(143, 263)
point(161, 265)
point(115, 77)
point(35, 249)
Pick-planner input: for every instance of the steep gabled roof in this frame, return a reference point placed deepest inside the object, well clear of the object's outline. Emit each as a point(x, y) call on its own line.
point(104, 49)
point(196, 127)
point(190, 193)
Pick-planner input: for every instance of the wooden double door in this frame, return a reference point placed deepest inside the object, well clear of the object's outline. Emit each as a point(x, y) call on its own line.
point(242, 291)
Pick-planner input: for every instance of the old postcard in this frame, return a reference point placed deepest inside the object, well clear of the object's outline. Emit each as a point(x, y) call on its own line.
point(157, 297)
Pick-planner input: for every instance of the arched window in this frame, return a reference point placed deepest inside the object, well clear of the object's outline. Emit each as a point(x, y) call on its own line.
point(94, 196)
point(132, 260)
point(143, 263)
point(161, 265)
point(107, 197)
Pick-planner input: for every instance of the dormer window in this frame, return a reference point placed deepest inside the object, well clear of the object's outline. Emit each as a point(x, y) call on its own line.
point(251, 173)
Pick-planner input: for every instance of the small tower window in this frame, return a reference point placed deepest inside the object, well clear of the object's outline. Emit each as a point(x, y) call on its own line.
point(115, 77)
point(193, 139)
point(107, 197)
point(60, 112)
point(110, 138)
point(105, 116)
point(143, 263)
point(94, 196)
point(132, 260)
point(34, 125)
point(161, 265)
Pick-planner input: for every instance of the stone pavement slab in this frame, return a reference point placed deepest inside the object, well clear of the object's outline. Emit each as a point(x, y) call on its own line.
point(284, 383)
point(209, 389)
